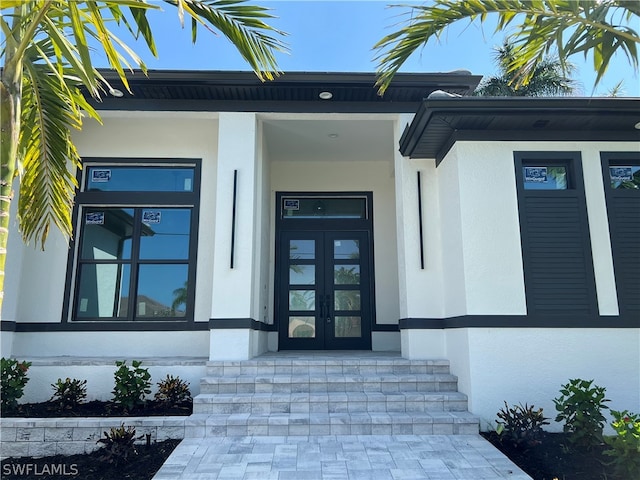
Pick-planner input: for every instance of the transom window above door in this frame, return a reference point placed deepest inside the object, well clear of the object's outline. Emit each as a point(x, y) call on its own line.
point(136, 228)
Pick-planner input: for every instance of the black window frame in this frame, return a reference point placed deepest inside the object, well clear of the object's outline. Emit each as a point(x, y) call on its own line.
point(613, 199)
point(137, 201)
point(576, 190)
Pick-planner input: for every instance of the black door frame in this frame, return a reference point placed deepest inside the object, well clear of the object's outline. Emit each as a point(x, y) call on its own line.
point(283, 225)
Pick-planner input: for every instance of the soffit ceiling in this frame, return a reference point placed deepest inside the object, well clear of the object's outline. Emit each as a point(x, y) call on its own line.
point(316, 140)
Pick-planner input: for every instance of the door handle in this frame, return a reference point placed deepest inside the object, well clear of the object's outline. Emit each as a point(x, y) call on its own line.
point(328, 303)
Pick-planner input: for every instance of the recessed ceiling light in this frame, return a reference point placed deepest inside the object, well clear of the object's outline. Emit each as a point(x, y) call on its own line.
point(116, 93)
point(326, 95)
point(637, 126)
point(333, 135)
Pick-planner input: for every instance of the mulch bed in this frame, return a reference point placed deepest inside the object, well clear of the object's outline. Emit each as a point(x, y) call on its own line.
point(556, 459)
point(142, 466)
point(98, 409)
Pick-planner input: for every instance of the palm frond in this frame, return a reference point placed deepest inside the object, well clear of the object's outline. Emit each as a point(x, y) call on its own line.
point(543, 23)
point(243, 25)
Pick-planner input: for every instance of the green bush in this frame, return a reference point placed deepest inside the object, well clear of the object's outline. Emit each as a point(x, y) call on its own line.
point(521, 425)
point(69, 393)
point(625, 445)
point(580, 406)
point(131, 384)
point(13, 380)
point(173, 391)
point(118, 444)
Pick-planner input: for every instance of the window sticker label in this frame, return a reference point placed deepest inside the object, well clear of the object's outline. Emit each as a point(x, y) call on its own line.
point(535, 174)
point(291, 204)
point(151, 216)
point(100, 176)
point(620, 174)
point(94, 218)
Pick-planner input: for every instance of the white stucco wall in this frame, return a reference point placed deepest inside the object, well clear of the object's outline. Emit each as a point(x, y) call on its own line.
point(529, 365)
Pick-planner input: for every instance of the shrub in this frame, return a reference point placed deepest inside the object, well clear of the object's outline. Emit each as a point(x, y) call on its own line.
point(68, 394)
point(173, 391)
point(521, 425)
point(131, 384)
point(119, 444)
point(625, 445)
point(580, 405)
point(13, 380)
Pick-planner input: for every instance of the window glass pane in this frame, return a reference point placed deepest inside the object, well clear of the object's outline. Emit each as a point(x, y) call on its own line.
point(324, 208)
point(347, 299)
point(302, 274)
point(107, 233)
point(139, 179)
point(346, 249)
point(165, 233)
point(545, 177)
point(302, 327)
point(346, 274)
point(302, 249)
point(162, 291)
point(103, 290)
point(348, 327)
point(625, 177)
point(302, 300)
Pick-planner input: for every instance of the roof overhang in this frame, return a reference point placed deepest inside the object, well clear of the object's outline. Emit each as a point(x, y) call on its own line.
point(441, 122)
point(185, 90)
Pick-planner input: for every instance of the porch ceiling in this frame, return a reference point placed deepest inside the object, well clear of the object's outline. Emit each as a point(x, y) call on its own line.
point(329, 140)
point(440, 122)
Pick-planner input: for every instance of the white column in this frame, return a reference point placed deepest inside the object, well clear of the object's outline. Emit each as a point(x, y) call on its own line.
point(233, 295)
point(420, 286)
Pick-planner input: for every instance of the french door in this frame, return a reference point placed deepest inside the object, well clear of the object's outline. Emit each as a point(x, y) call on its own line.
point(324, 294)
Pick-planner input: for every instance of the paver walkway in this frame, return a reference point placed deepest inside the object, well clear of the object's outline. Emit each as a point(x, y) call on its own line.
point(339, 457)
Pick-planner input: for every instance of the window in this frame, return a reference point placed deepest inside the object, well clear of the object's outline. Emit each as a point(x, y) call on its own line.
point(136, 231)
point(624, 175)
point(554, 230)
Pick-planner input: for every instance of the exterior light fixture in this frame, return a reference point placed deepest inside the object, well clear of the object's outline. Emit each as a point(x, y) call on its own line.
point(637, 126)
point(116, 93)
point(333, 135)
point(325, 95)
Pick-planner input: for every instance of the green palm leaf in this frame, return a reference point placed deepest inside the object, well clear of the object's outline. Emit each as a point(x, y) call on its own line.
point(600, 27)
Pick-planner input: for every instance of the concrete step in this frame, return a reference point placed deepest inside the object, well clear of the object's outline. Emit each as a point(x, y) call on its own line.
point(370, 423)
point(325, 366)
point(334, 402)
point(323, 383)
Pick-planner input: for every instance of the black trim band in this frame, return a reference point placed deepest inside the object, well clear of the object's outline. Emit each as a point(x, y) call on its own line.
point(520, 321)
point(246, 323)
point(8, 326)
point(381, 327)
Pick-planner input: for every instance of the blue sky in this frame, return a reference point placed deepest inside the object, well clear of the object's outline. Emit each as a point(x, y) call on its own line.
point(338, 36)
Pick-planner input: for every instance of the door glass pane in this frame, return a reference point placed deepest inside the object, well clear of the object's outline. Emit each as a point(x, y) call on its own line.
point(302, 300)
point(347, 300)
point(625, 177)
point(162, 291)
point(165, 234)
point(107, 233)
point(302, 249)
point(324, 208)
point(302, 274)
point(348, 327)
point(302, 327)
point(139, 179)
point(103, 290)
point(545, 177)
point(346, 249)
point(346, 274)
